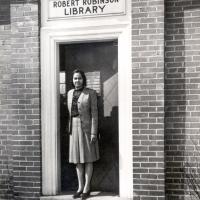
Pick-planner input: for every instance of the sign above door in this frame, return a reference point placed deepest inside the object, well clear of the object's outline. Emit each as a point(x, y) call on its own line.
point(85, 8)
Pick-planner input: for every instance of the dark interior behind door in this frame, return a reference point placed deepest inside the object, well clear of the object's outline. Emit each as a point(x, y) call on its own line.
point(99, 61)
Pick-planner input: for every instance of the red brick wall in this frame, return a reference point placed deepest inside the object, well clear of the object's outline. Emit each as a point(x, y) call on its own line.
point(182, 92)
point(20, 102)
point(148, 99)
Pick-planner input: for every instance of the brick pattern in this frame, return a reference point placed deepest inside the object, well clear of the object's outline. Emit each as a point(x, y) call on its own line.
point(24, 100)
point(182, 92)
point(148, 99)
point(5, 50)
point(5, 12)
point(5, 155)
point(20, 172)
point(20, 154)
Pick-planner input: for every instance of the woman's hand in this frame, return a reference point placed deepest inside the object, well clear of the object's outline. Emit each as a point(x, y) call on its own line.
point(93, 138)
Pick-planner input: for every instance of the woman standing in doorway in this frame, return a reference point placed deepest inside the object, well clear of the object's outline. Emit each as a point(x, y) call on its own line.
point(83, 124)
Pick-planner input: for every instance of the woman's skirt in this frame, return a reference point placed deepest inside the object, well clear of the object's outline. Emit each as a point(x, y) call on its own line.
point(81, 150)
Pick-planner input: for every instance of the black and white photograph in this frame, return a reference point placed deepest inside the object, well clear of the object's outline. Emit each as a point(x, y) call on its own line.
point(100, 99)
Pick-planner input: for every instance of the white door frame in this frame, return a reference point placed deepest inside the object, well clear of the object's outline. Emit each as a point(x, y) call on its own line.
point(50, 40)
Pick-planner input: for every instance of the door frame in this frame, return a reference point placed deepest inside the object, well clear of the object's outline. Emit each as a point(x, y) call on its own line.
point(50, 40)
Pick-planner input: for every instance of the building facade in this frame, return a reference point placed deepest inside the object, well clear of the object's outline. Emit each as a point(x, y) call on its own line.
point(143, 59)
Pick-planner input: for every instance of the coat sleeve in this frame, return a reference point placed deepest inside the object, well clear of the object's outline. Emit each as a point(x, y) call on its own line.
point(94, 113)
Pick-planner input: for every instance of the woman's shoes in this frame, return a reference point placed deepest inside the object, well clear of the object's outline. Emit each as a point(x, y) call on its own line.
point(77, 195)
point(81, 194)
point(85, 195)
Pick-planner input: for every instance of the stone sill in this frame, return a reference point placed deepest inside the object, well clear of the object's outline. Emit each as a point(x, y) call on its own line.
point(93, 196)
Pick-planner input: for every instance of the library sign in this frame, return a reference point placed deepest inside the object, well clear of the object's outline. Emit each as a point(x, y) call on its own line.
point(81, 8)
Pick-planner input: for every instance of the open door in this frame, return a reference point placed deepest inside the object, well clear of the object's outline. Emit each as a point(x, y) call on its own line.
point(99, 60)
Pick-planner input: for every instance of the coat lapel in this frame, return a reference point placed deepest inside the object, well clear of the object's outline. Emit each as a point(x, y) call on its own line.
point(81, 96)
point(70, 100)
point(80, 99)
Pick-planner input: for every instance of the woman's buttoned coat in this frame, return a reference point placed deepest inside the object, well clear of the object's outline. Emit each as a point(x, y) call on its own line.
point(87, 108)
point(81, 149)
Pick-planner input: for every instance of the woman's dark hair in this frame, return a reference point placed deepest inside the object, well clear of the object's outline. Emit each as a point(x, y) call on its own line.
point(82, 74)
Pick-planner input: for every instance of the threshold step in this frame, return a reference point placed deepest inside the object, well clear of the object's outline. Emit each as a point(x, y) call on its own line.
point(93, 196)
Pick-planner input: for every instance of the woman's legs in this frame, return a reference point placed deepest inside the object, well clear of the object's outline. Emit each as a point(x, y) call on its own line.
point(80, 174)
point(88, 176)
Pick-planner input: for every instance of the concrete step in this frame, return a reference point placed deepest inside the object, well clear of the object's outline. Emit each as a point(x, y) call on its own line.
point(93, 196)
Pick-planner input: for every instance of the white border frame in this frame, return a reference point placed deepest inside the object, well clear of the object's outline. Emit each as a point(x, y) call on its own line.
point(50, 40)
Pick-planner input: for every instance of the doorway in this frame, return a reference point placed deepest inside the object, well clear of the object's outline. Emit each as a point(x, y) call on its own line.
point(51, 40)
point(99, 60)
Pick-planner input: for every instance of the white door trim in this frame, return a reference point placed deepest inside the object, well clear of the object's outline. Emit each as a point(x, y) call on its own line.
point(50, 40)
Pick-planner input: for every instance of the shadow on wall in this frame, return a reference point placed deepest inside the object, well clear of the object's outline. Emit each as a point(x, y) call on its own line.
point(5, 16)
point(181, 88)
point(4, 12)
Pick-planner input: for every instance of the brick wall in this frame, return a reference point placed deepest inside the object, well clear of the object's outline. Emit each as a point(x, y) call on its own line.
point(20, 155)
point(148, 99)
point(20, 102)
point(182, 93)
point(4, 80)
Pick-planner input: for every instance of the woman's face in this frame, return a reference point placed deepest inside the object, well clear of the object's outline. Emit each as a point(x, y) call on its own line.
point(78, 80)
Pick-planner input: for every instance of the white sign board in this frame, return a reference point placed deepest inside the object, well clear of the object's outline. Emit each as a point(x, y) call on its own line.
point(81, 8)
